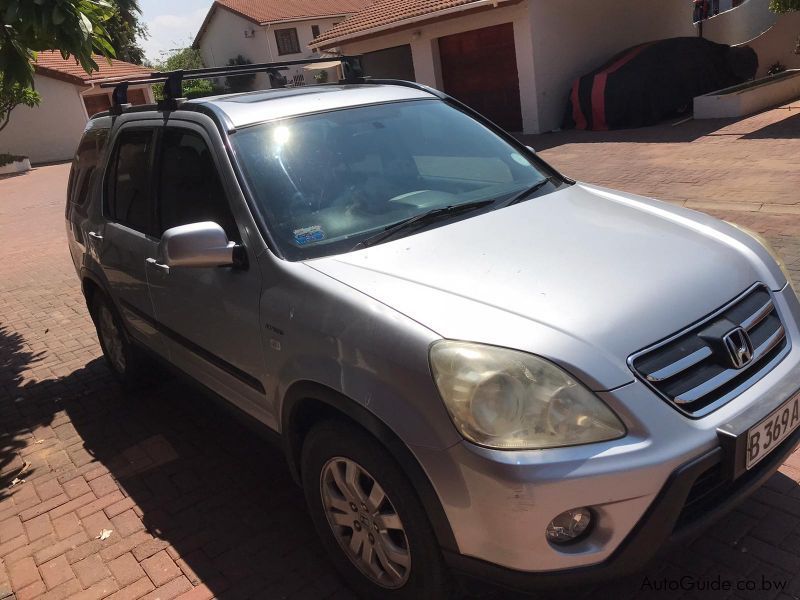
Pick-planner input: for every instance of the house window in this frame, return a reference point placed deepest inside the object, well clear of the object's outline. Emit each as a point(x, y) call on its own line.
point(287, 41)
point(315, 31)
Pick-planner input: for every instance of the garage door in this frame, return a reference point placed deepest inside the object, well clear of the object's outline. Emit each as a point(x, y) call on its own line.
point(480, 68)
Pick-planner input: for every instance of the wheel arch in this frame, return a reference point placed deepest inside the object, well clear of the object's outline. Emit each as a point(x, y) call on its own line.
point(307, 403)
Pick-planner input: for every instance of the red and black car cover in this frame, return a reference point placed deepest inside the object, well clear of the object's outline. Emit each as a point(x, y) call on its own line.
point(650, 82)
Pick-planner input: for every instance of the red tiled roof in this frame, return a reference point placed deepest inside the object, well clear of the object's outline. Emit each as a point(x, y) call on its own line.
point(269, 11)
point(383, 14)
point(50, 64)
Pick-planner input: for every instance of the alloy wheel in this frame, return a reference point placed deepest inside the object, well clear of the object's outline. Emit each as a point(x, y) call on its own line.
point(112, 339)
point(365, 522)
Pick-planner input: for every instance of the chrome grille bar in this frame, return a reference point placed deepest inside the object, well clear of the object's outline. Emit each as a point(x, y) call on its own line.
point(679, 366)
point(714, 383)
point(693, 370)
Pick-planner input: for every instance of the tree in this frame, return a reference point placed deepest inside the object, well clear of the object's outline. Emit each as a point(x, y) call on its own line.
point(125, 31)
point(186, 58)
point(75, 27)
point(782, 6)
point(785, 6)
point(12, 96)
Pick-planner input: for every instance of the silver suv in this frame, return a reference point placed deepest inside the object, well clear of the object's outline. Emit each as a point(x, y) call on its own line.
point(473, 364)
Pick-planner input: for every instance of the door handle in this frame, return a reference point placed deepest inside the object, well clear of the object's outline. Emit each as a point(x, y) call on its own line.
point(96, 236)
point(154, 263)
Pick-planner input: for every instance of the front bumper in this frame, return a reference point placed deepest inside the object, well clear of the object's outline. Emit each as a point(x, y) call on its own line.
point(675, 514)
point(683, 508)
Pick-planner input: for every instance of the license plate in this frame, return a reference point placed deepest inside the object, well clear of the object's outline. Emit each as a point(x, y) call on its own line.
point(771, 431)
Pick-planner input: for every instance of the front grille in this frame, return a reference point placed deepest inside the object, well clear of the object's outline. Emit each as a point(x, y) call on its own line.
point(695, 375)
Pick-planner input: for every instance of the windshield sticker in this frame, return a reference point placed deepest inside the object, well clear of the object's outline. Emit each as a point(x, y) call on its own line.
point(520, 159)
point(309, 235)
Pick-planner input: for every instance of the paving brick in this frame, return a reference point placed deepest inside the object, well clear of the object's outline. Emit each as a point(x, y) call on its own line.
point(120, 507)
point(171, 590)
point(149, 548)
point(161, 568)
point(44, 507)
point(103, 485)
point(125, 545)
point(90, 570)
point(56, 571)
point(95, 523)
point(49, 489)
point(58, 548)
point(10, 529)
point(76, 487)
point(68, 589)
point(101, 589)
point(127, 523)
point(134, 590)
point(34, 590)
point(126, 569)
point(66, 525)
point(201, 592)
point(72, 505)
point(100, 503)
point(38, 527)
point(23, 573)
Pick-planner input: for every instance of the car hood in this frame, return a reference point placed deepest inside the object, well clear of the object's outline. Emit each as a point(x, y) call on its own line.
point(583, 276)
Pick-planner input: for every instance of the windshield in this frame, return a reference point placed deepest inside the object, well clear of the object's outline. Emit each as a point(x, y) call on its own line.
point(326, 182)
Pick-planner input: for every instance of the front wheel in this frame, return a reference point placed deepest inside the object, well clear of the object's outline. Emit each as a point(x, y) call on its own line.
point(123, 358)
point(368, 516)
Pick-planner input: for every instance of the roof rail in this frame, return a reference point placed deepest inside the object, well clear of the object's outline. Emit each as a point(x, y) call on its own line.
point(173, 80)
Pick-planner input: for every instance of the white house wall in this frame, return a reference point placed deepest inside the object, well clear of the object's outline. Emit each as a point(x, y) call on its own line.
point(50, 132)
point(425, 49)
point(224, 39)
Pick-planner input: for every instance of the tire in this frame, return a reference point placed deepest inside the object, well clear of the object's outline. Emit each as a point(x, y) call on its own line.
point(329, 450)
point(126, 361)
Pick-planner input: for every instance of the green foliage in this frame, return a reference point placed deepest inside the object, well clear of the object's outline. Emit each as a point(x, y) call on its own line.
point(125, 30)
point(7, 159)
point(240, 83)
point(783, 6)
point(75, 27)
point(12, 96)
point(187, 58)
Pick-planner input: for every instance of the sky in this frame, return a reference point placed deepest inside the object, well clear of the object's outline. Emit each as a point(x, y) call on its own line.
point(172, 24)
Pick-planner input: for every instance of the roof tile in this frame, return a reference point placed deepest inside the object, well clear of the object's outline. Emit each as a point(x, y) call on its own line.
point(50, 63)
point(268, 11)
point(384, 13)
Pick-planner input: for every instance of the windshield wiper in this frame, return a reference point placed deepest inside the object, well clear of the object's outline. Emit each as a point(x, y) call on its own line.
point(421, 219)
point(529, 192)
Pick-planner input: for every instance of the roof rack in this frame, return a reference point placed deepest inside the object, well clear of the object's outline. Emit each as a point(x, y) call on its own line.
point(173, 80)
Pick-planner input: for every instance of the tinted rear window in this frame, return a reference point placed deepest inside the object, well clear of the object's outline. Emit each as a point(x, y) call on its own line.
point(84, 166)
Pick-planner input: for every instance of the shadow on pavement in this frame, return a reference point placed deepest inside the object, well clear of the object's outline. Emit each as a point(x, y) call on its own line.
point(223, 500)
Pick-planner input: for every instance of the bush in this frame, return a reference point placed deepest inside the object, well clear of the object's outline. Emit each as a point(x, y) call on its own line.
point(184, 59)
point(7, 159)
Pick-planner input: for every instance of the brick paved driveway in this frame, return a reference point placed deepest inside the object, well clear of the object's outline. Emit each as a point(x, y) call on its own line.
point(199, 507)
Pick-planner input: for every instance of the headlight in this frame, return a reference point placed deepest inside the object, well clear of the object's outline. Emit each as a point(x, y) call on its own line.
point(511, 400)
point(769, 248)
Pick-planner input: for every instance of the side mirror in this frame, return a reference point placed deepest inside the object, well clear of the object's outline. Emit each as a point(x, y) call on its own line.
point(196, 245)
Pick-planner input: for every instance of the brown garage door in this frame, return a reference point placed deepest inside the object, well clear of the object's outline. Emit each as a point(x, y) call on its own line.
point(480, 68)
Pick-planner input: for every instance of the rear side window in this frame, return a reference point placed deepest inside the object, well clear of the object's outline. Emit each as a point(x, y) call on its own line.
point(128, 195)
point(84, 166)
point(190, 189)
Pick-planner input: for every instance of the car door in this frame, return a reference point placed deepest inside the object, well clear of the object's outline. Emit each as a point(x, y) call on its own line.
point(209, 315)
point(126, 240)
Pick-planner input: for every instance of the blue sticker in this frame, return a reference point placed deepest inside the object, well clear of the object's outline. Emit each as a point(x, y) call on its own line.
point(309, 235)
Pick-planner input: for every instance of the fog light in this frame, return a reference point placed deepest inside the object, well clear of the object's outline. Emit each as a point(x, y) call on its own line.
point(569, 526)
